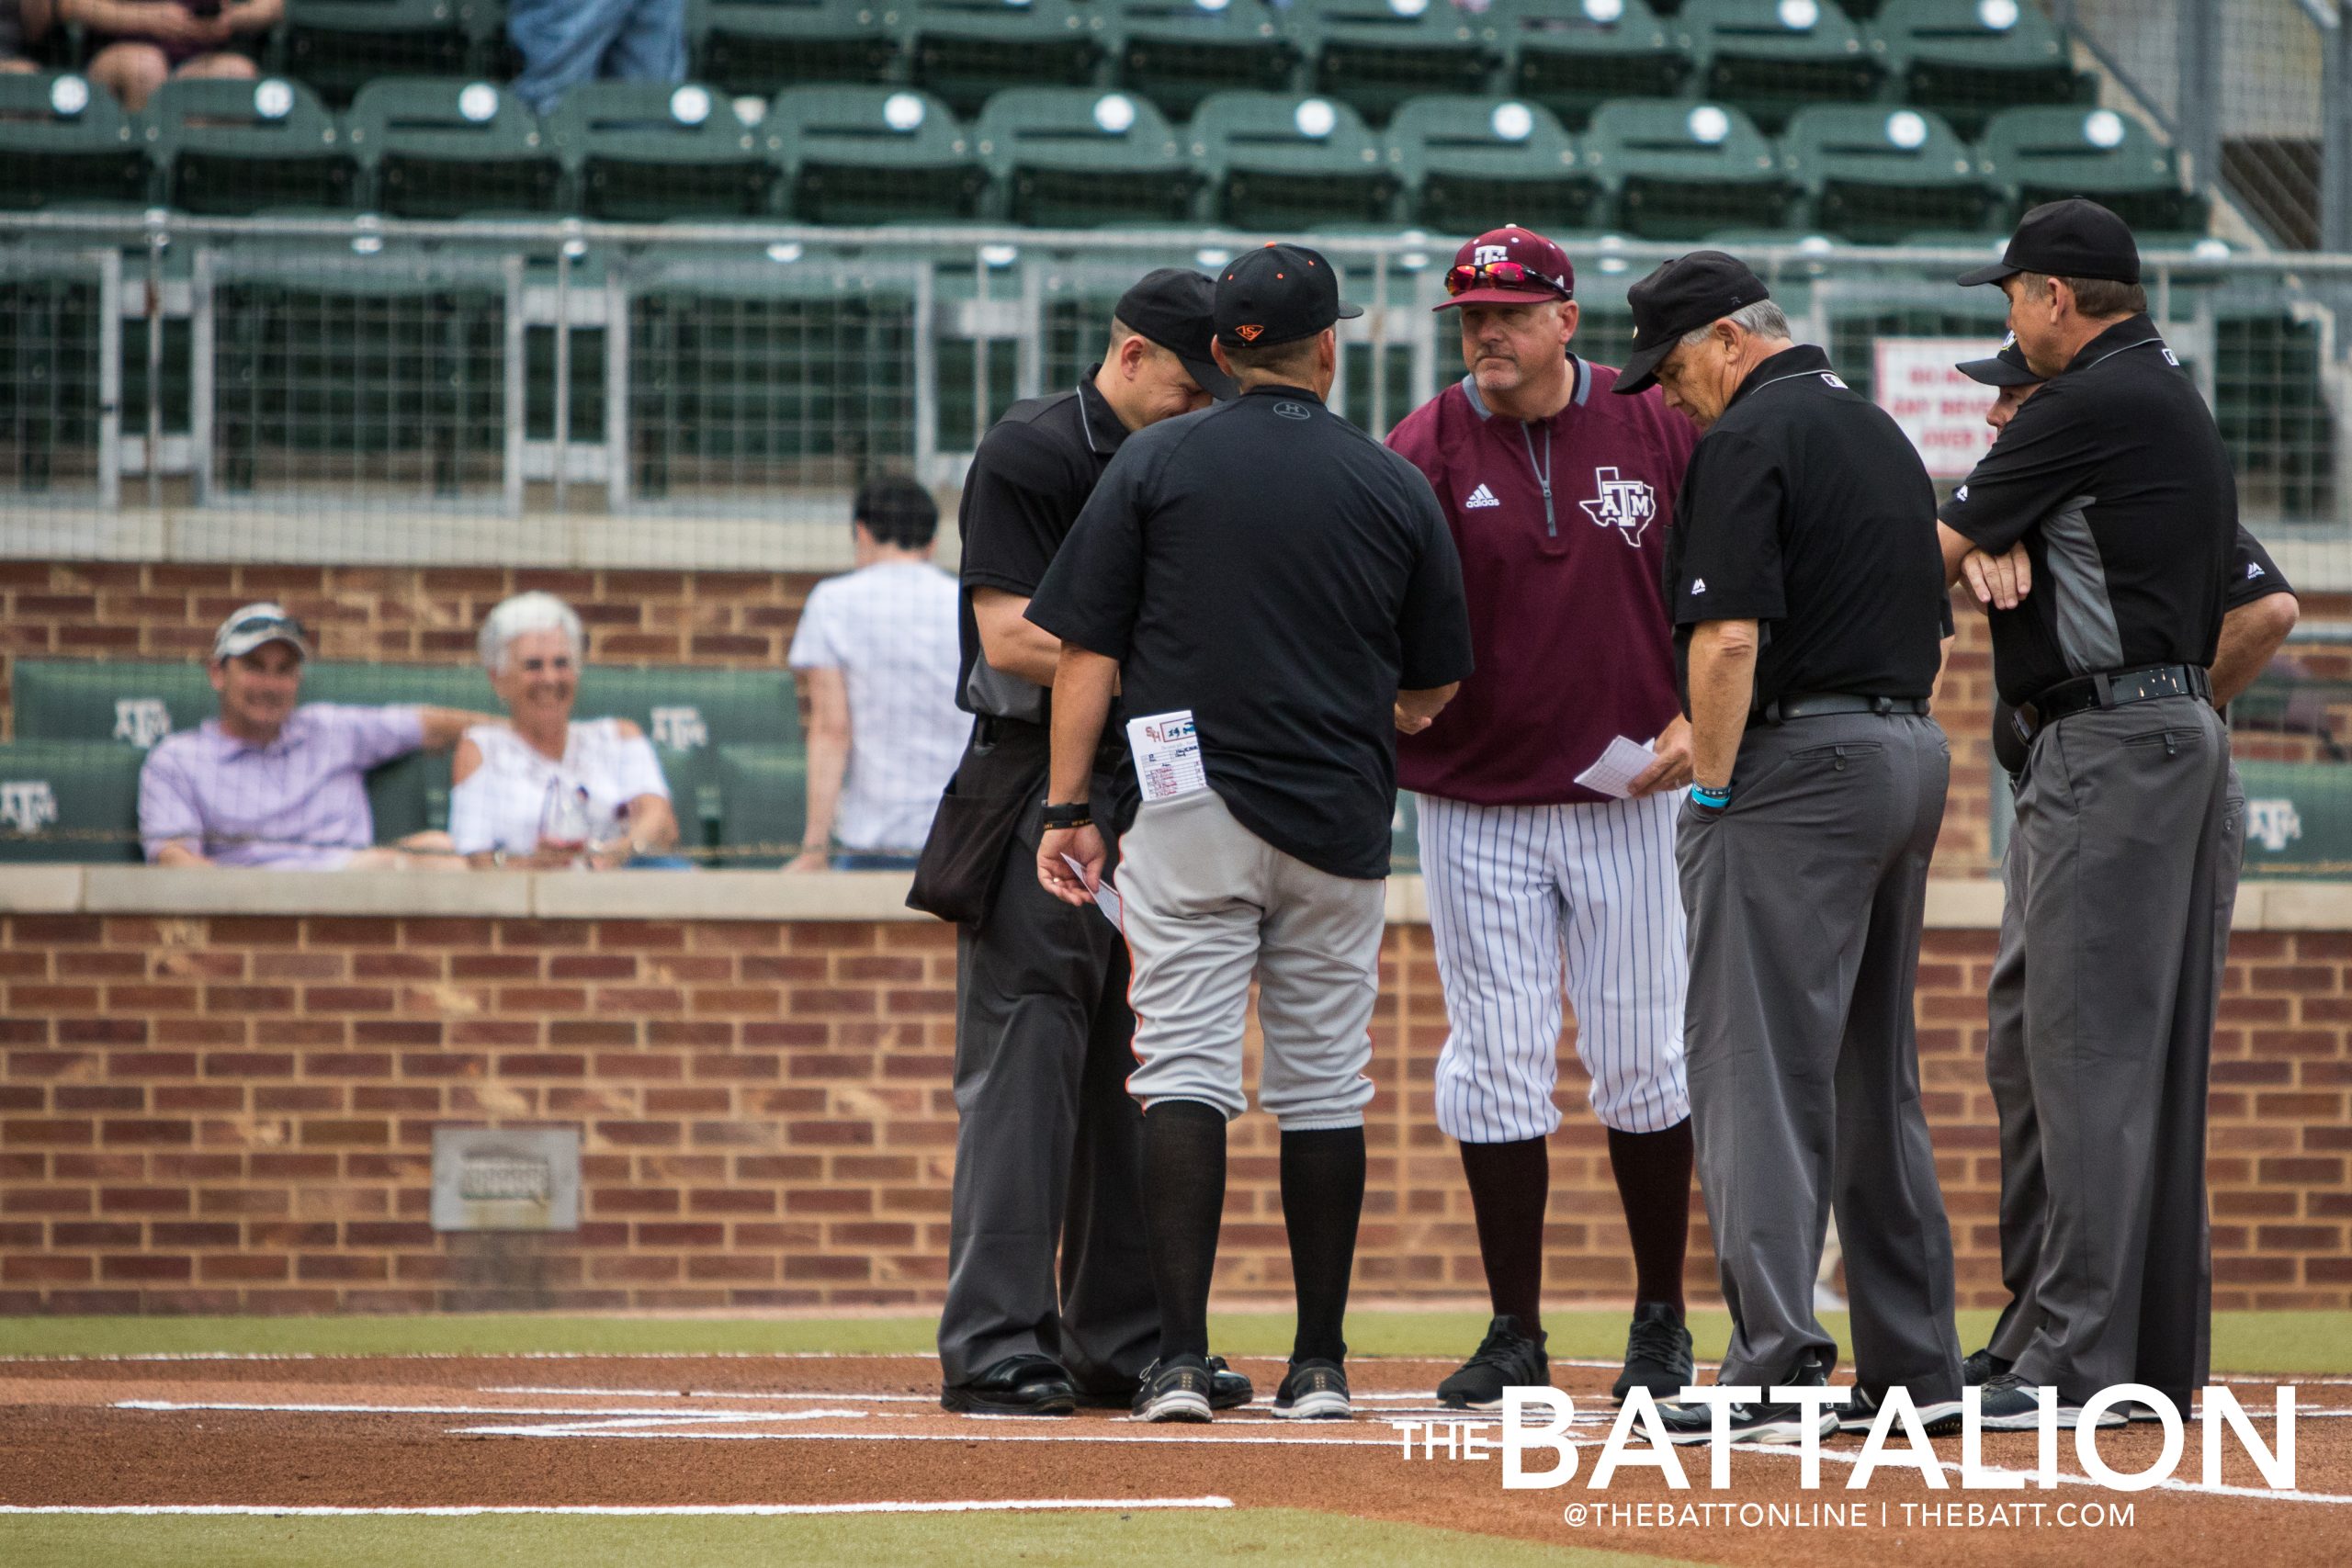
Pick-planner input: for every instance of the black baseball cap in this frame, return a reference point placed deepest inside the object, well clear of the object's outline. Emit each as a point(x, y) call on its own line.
point(1170, 307)
point(1278, 294)
point(1683, 296)
point(2007, 367)
point(2074, 238)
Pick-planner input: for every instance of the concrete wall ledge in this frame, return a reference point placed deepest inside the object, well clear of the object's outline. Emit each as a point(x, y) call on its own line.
point(1953, 904)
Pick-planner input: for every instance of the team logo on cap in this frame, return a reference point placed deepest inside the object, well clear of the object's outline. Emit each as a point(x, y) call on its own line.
point(1248, 334)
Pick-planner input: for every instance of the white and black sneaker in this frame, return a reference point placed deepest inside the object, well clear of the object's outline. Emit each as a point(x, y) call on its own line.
point(1174, 1388)
point(1314, 1390)
point(2013, 1405)
point(1939, 1418)
point(1505, 1358)
point(1982, 1367)
point(1764, 1422)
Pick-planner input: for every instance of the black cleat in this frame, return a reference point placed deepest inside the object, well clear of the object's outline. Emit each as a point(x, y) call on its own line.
point(1505, 1358)
point(1657, 1353)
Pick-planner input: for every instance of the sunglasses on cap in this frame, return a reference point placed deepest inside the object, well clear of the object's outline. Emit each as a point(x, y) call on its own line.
point(1506, 273)
point(285, 624)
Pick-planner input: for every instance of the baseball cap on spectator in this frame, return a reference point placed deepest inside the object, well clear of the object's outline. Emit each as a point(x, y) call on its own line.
point(2074, 238)
point(2007, 367)
point(254, 625)
point(1681, 295)
point(1509, 265)
point(1278, 294)
point(1172, 306)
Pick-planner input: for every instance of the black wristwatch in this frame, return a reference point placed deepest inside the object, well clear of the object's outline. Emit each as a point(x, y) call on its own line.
point(1074, 814)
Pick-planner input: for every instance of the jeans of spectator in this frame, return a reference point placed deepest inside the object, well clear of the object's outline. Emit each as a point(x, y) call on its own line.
point(566, 42)
point(866, 860)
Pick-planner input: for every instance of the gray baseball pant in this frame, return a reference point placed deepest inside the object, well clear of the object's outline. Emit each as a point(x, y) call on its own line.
point(1805, 899)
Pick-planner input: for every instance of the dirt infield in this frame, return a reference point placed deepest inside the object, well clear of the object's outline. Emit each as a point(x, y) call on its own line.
point(662, 1432)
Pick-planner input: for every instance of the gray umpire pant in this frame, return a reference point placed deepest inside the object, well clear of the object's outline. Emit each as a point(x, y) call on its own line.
point(1048, 1144)
point(1806, 901)
point(2111, 1028)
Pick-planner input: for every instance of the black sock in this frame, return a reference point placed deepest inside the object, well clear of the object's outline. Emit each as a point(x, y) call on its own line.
point(1509, 1186)
point(1322, 1202)
point(1183, 1199)
point(1653, 1171)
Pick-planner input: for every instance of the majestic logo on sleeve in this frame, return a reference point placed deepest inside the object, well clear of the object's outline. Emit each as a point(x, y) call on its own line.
point(1626, 505)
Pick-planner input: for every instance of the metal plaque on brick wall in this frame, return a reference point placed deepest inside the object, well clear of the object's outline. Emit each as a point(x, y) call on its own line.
point(515, 1179)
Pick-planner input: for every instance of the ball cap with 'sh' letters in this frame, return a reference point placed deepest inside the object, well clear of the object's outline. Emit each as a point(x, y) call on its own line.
point(1277, 294)
point(1171, 306)
point(2074, 238)
point(1549, 276)
point(1683, 296)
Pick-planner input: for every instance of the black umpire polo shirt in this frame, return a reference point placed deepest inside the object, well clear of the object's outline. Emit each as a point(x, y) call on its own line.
point(1281, 574)
point(1808, 511)
point(1035, 468)
point(2115, 477)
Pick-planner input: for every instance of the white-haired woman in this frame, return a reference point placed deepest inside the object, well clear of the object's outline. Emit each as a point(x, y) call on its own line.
point(550, 790)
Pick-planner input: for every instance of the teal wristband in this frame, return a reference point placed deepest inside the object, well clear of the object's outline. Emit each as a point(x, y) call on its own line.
point(1713, 799)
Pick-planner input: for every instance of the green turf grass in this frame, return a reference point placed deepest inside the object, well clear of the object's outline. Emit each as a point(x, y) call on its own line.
point(2312, 1343)
point(1201, 1540)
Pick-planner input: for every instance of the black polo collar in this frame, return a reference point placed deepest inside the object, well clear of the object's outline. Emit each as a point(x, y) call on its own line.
point(1097, 420)
point(1804, 359)
point(2133, 332)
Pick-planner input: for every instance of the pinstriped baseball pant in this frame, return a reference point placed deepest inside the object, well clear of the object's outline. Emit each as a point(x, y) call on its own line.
point(1513, 890)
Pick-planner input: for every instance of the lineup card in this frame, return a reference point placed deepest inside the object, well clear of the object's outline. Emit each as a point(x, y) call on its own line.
point(1613, 772)
point(1167, 749)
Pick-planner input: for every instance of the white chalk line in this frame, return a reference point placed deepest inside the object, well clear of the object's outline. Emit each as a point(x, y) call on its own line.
point(1209, 1438)
point(2260, 1494)
point(614, 1510)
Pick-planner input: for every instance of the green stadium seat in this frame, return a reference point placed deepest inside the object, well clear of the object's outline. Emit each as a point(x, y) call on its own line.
point(968, 50)
point(1375, 54)
point(2045, 154)
point(446, 147)
point(64, 140)
point(1773, 57)
point(763, 797)
point(2298, 818)
point(410, 795)
point(1678, 171)
point(236, 148)
point(686, 708)
point(1177, 52)
point(366, 684)
point(1572, 57)
point(1874, 174)
point(873, 155)
point(760, 46)
point(335, 47)
point(130, 702)
point(69, 800)
point(1289, 164)
point(647, 151)
point(693, 777)
point(1969, 59)
point(1071, 157)
point(1469, 162)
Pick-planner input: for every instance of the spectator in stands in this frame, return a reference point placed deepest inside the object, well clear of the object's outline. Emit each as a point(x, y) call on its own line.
point(22, 23)
point(877, 651)
point(137, 45)
point(566, 42)
point(272, 784)
point(550, 790)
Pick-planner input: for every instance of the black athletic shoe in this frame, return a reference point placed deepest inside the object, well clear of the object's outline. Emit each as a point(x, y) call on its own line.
point(1939, 1418)
point(1657, 1353)
point(1766, 1423)
point(1228, 1390)
point(1174, 1388)
point(1314, 1390)
point(1982, 1367)
point(2012, 1405)
point(1018, 1385)
point(1505, 1358)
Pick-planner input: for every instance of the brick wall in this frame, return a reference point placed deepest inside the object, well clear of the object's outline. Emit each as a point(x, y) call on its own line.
point(218, 1114)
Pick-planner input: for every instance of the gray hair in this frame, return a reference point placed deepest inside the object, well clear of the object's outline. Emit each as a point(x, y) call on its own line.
point(1764, 319)
point(533, 612)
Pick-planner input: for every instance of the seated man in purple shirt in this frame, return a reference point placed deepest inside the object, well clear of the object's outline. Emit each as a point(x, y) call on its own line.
point(269, 783)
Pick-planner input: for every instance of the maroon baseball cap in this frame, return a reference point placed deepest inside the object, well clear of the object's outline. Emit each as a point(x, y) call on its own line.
point(1509, 265)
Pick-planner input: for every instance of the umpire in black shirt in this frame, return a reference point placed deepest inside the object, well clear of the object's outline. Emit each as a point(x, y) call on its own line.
point(1273, 592)
point(2114, 476)
point(1809, 608)
point(1047, 1144)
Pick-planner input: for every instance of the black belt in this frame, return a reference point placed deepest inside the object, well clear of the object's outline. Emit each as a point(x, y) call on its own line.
point(2111, 690)
point(1814, 704)
point(1021, 734)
